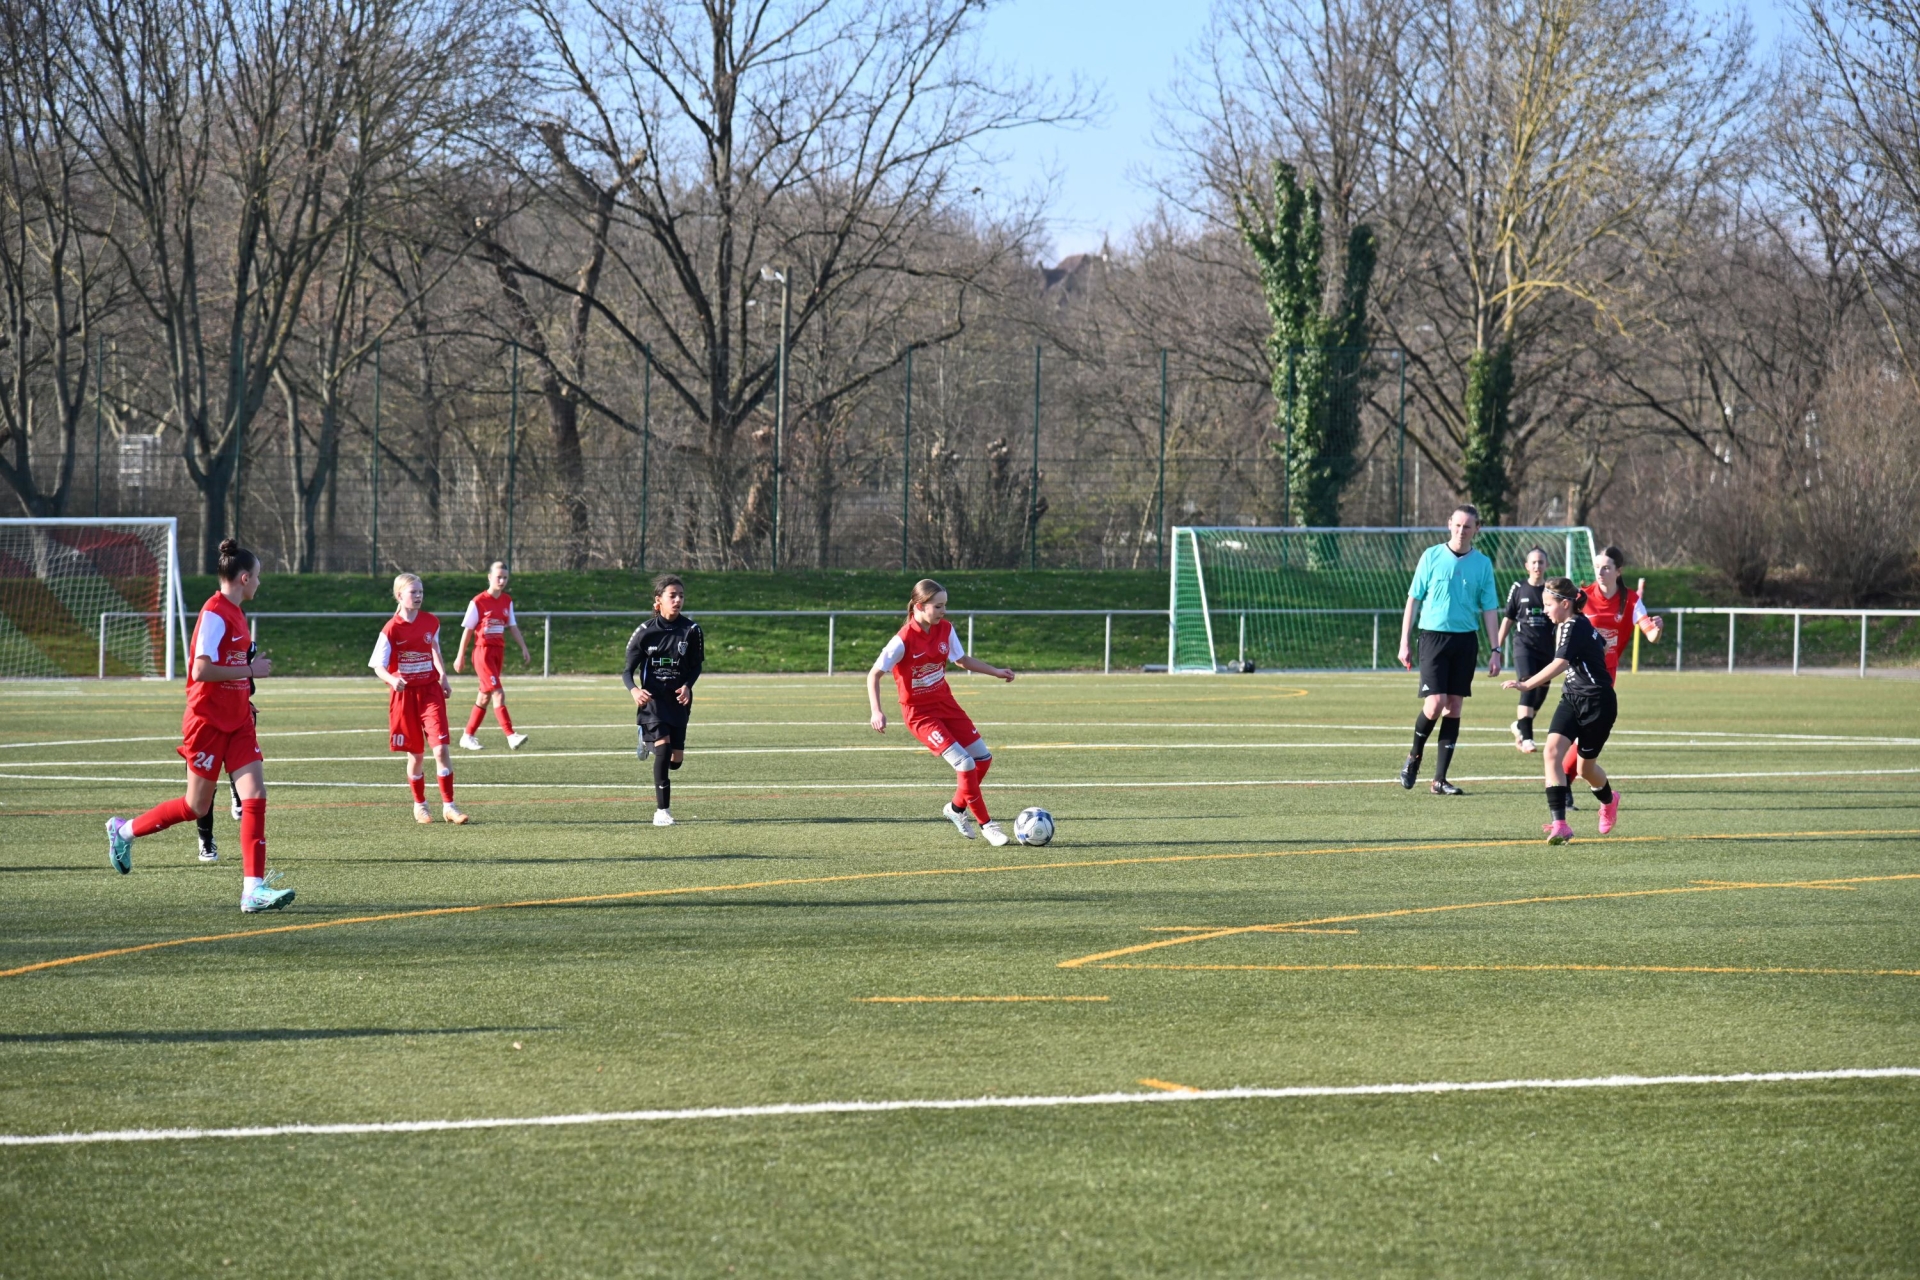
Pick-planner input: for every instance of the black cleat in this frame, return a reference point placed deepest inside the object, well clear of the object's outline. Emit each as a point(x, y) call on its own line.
point(1410, 772)
point(1441, 787)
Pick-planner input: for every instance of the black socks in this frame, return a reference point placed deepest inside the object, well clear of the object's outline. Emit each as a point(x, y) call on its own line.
point(206, 827)
point(662, 785)
point(1604, 794)
point(1557, 798)
point(1421, 728)
point(1449, 738)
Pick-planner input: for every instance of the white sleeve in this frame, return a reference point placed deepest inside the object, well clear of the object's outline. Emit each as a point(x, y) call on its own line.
point(1639, 610)
point(472, 621)
point(955, 649)
point(208, 635)
point(511, 620)
point(890, 656)
point(382, 653)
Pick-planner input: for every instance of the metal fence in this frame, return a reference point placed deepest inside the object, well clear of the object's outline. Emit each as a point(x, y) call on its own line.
point(1793, 639)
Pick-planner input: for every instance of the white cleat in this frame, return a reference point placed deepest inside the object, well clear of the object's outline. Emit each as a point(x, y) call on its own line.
point(451, 812)
point(421, 813)
point(514, 741)
point(991, 830)
point(470, 743)
point(960, 820)
point(662, 817)
point(209, 851)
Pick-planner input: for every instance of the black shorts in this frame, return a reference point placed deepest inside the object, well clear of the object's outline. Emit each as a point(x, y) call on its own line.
point(1587, 717)
point(1525, 663)
point(652, 732)
point(1447, 662)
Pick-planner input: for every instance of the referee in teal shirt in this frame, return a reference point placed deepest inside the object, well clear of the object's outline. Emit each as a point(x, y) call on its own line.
point(1452, 583)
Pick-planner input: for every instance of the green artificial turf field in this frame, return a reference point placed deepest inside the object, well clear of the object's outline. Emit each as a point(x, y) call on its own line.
point(800, 938)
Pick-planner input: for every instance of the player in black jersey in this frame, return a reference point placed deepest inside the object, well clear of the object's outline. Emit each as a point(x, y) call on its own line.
point(1525, 620)
point(1586, 711)
point(663, 660)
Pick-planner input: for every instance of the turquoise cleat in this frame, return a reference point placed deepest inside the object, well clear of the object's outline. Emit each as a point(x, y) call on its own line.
point(119, 845)
point(267, 897)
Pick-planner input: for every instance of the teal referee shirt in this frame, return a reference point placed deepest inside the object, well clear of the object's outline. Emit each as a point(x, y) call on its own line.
point(1453, 591)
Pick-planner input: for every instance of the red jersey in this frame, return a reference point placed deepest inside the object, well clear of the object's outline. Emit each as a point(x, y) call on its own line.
point(407, 648)
point(488, 617)
point(918, 660)
point(1614, 619)
point(220, 634)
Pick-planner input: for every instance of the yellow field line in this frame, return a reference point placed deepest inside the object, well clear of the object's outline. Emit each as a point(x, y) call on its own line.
point(1711, 887)
point(981, 999)
point(1167, 1085)
point(1521, 968)
point(854, 877)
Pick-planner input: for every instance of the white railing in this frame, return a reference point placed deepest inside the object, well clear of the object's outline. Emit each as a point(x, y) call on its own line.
point(832, 616)
point(1678, 616)
point(1734, 613)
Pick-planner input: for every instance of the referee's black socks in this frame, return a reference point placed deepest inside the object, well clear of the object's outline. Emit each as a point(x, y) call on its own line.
point(1422, 728)
point(1557, 798)
point(1449, 738)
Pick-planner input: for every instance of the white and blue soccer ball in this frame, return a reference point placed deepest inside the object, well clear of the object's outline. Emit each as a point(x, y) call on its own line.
point(1033, 826)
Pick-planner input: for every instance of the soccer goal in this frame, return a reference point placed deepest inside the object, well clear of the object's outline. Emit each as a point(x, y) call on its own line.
point(1321, 599)
point(82, 597)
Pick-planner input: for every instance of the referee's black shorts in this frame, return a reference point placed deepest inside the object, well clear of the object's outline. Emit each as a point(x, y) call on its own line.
point(1447, 662)
point(1525, 663)
point(1587, 717)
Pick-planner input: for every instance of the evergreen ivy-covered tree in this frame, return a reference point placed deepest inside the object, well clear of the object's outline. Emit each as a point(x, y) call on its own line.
point(1483, 463)
point(1318, 358)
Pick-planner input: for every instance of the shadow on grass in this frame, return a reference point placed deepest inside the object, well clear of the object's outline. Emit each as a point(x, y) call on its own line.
point(261, 1034)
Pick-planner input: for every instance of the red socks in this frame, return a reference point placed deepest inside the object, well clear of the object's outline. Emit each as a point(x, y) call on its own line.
point(419, 786)
point(164, 815)
point(500, 714)
point(979, 776)
point(1571, 765)
point(446, 786)
point(473, 720)
point(253, 837)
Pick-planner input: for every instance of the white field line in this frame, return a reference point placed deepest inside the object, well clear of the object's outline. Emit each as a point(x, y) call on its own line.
point(953, 1104)
point(520, 761)
point(1039, 725)
point(934, 785)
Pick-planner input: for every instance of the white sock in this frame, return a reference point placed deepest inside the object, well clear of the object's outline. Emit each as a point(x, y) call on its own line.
point(249, 883)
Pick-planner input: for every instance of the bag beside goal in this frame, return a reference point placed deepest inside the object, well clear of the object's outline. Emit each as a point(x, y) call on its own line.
point(88, 597)
point(1322, 599)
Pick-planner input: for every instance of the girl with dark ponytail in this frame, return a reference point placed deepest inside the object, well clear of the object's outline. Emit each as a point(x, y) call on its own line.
point(217, 733)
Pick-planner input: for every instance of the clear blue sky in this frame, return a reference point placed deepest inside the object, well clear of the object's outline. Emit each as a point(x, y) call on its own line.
point(1127, 48)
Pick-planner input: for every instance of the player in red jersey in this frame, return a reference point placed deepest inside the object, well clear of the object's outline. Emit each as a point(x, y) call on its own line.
point(917, 656)
point(1614, 612)
point(407, 658)
point(489, 619)
point(217, 733)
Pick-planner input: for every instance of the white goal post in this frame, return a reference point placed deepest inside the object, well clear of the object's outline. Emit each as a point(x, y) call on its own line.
point(83, 596)
point(1303, 599)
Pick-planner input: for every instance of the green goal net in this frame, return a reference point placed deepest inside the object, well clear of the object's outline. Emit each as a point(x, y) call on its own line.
point(1322, 599)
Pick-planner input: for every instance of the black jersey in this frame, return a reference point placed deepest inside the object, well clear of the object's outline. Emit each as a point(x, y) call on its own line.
point(1585, 651)
point(1527, 610)
point(663, 657)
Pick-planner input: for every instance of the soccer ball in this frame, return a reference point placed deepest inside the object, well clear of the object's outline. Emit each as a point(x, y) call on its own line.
point(1033, 826)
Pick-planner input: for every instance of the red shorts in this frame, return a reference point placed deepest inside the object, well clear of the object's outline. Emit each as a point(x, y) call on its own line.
point(486, 665)
point(417, 718)
point(208, 750)
point(942, 729)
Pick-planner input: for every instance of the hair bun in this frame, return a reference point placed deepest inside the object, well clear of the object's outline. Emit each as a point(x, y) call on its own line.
point(228, 546)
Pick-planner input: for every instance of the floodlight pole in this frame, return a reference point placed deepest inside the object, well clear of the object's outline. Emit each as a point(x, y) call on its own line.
point(373, 566)
point(906, 463)
point(1160, 490)
point(646, 442)
point(780, 392)
point(1400, 454)
point(99, 388)
point(1033, 486)
point(513, 457)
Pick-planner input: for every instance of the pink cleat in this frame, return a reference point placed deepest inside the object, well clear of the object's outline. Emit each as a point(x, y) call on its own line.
point(1558, 832)
point(1610, 813)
